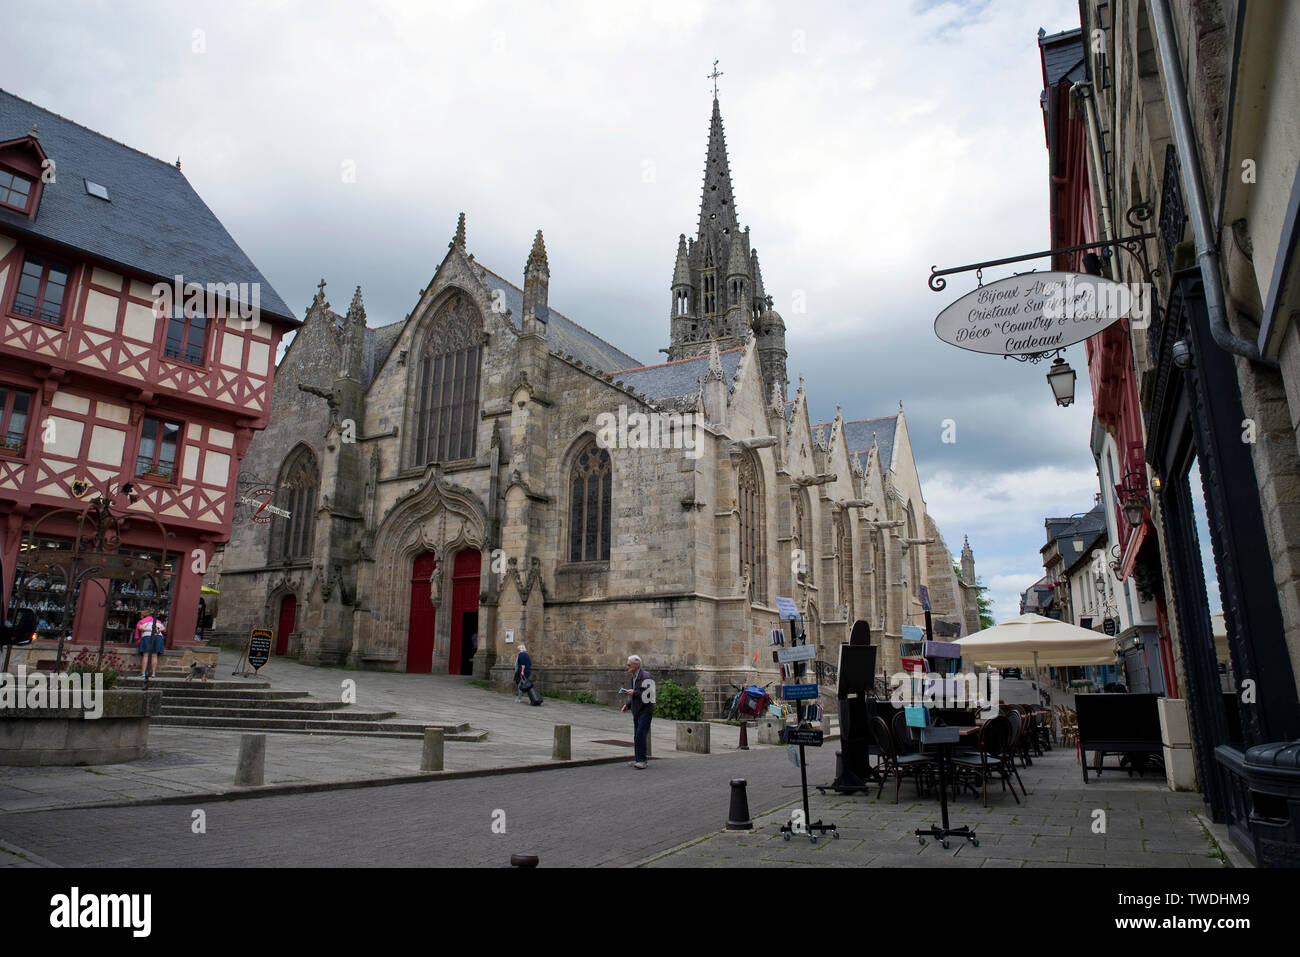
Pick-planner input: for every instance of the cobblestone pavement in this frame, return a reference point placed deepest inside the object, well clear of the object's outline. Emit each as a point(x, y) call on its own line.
point(1145, 825)
point(189, 761)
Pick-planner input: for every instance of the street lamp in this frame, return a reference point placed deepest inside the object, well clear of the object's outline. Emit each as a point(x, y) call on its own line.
point(1133, 498)
point(1061, 378)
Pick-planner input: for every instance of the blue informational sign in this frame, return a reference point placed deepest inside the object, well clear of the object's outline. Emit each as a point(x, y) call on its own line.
point(913, 633)
point(785, 607)
point(925, 598)
point(798, 692)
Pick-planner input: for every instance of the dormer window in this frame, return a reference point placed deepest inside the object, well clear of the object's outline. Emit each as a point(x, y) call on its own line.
point(22, 163)
point(15, 190)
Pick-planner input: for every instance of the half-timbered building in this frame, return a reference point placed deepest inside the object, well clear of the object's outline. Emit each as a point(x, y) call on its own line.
point(137, 347)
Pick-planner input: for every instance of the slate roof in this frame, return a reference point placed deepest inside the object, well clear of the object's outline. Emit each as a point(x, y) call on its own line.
point(679, 378)
point(379, 343)
point(1063, 58)
point(858, 434)
point(561, 332)
point(154, 223)
point(1062, 531)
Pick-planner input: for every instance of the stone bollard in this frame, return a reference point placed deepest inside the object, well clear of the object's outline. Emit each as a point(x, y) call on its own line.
point(252, 761)
point(433, 747)
point(693, 736)
point(562, 750)
point(738, 813)
point(769, 730)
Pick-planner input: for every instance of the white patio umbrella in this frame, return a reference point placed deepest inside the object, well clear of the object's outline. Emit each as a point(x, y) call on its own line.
point(1034, 640)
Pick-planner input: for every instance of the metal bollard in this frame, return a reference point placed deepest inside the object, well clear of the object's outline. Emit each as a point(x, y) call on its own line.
point(433, 746)
point(744, 737)
point(251, 769)
point(524, 860)
point(738, 814)
point(562, 749)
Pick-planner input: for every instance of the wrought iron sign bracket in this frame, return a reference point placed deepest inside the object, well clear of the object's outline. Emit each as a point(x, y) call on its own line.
point(1133, 244)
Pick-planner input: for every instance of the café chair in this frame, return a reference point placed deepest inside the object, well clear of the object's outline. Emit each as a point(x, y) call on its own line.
point(995, 757)
point(896, 763)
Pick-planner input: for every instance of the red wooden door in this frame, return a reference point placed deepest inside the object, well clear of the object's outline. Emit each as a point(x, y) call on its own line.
point(288, 618)
point(464, 602)
point(419, 635)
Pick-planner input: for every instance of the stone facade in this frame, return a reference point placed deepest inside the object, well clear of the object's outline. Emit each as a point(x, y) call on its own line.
point(824, 515)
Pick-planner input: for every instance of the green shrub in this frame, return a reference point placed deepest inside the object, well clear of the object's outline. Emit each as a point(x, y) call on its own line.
point(675, 703)
point(584, 697)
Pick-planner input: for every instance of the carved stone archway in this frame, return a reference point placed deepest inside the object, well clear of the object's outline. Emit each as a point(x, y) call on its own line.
point(437, 516)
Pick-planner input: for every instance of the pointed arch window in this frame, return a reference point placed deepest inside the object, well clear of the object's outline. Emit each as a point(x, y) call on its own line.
point(292, 537)
point(447, 384)
point(590, 487)
point(752, 552)
point(802, 542)
point(844, 549)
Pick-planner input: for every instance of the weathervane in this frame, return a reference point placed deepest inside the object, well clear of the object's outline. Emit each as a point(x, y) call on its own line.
point(714, 77)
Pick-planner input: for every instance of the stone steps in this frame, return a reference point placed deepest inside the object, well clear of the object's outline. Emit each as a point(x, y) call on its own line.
point(261, 696)
point(174, 683)
point(385, 729)
point(209, 710)
point(254, 706)
point(196, 703)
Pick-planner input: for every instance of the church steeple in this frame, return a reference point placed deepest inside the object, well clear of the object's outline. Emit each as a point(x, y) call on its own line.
point(718, 204)
point(717, 290)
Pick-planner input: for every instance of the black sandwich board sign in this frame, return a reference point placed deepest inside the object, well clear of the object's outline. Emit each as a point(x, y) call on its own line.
point(259, 647)
point(808, 737)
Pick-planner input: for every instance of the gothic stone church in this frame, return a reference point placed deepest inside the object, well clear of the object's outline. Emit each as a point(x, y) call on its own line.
point(436, 488)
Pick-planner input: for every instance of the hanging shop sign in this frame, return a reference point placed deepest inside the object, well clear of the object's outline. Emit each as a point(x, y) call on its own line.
point(1033, 313)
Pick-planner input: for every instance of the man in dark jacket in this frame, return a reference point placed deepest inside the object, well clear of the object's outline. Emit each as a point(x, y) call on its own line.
point(641, 701)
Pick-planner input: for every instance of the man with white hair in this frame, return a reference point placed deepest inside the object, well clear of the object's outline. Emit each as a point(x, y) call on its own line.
point(641, 701)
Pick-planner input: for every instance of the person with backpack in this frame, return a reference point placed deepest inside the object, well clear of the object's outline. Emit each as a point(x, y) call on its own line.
point(151, 632)
point(641, 702)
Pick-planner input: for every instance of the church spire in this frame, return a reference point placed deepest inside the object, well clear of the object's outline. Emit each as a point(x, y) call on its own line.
point(718, 205)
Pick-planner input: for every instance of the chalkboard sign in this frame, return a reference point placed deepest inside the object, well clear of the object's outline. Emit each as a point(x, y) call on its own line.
point(1109, 627)
point(259, 647)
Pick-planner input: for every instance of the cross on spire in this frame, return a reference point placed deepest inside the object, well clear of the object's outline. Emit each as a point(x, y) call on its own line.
point(714, 77)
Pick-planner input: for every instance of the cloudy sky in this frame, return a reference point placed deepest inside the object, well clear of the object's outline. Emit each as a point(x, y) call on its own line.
point(868, 141)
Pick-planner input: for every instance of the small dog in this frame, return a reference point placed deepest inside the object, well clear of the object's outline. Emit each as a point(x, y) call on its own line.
point(204, 672)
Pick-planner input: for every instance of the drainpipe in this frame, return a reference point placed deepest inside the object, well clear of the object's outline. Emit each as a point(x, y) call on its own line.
point(1190, 162)
point(1083, 93)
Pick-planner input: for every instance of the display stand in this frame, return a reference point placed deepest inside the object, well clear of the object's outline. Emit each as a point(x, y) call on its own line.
point(803, 734)
point(944, 738)
point(858, 705)
point(257, 651)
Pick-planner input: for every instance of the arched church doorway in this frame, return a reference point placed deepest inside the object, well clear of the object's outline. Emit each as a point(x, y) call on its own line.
point(285, 625)
point(464, 612)
point(419, 635)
